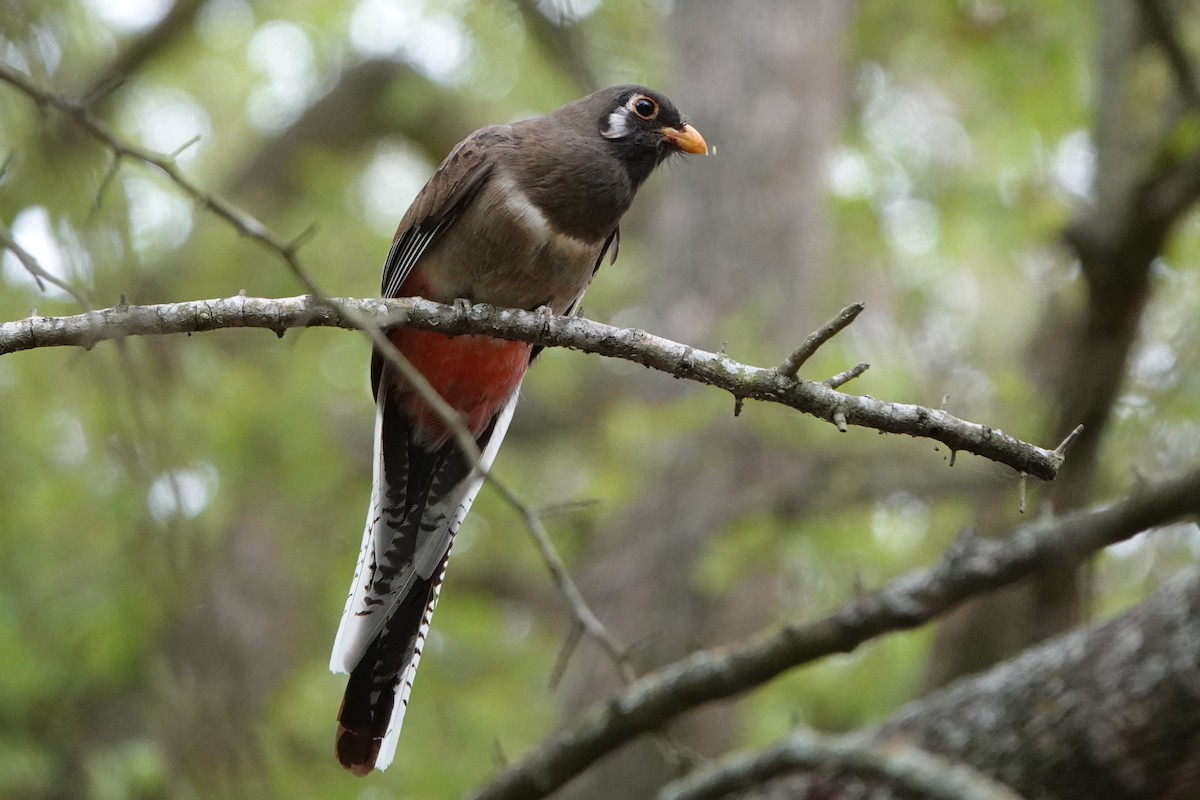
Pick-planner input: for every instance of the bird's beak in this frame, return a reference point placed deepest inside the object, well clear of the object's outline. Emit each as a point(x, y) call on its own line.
point(686, 139)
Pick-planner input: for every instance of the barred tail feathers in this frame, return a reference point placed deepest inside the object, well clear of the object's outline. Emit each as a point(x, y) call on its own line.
point(389, 610)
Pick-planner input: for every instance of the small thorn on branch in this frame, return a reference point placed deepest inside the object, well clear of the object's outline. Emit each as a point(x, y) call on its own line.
point(302, 239)
point(738, 402)
point(178, 151)
point(847, 376)
point(1061, 450)
point(574, 635)
point(791, 365)
point(839, 419)
point(100, 90)
point(110, 175)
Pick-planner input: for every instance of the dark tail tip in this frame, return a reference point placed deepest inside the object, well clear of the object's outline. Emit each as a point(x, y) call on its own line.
point(356, 752)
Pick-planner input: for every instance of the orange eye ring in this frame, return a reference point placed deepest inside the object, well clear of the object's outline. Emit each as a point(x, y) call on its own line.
point(645, 107)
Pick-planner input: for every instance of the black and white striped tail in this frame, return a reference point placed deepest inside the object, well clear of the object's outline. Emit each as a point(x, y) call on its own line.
point(374, 703)
point(418, 499)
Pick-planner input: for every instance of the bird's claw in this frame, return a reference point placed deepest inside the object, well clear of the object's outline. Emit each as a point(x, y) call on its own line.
point(462, 305)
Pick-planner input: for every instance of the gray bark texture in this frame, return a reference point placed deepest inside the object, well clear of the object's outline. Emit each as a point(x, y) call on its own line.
point(1110, 712)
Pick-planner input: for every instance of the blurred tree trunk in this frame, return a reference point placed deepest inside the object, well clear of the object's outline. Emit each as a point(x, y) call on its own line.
point(740, 233)
point(748, 229)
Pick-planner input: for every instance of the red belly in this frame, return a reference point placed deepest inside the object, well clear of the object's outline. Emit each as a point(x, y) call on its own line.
point(474, 374)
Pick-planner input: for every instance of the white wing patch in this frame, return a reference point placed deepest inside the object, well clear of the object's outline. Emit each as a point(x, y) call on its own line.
point(522, 207)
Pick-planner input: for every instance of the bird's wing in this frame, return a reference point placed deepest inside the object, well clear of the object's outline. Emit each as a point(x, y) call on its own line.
point(438, 204)
point(433, 211)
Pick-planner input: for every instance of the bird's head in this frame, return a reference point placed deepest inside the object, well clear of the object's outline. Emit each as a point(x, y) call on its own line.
point(640, 126)
point(642, 118)
point(583, 163)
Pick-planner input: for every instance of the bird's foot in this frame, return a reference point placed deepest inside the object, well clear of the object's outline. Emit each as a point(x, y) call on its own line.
point(462, 305)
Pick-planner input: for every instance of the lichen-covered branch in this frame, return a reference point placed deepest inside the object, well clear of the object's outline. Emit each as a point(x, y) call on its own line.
point(682, 361)
point(971, 566)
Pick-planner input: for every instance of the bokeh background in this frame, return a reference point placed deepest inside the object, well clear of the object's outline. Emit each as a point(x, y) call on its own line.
point(179, 517)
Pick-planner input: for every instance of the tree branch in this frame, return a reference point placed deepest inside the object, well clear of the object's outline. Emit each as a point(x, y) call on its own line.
point(791, 365)
point(630, 344)
point(40, 274)
point(144, 48)
point(971, 566)
point(896, 763)
point(1163, 28)
point(561, 40)
point(1108, 711)
point(242, 222)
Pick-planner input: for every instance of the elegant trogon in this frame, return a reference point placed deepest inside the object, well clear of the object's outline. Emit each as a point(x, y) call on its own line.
point(517, 216)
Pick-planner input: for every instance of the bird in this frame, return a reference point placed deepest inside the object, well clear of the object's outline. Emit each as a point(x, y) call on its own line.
point(522, 216)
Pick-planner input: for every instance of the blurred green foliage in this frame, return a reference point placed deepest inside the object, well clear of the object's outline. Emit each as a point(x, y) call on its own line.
point(179, 517)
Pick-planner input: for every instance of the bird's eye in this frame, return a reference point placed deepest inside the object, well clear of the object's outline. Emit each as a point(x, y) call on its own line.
point(644, 107)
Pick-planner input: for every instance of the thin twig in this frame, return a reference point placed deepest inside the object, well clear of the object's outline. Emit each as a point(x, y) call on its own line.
point(1071, 437)
point(245, 224)
point(573, 637)
point(676, 754)
point(566, 586)
point(843, 378)
point(791, 365)
point(40, 274)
